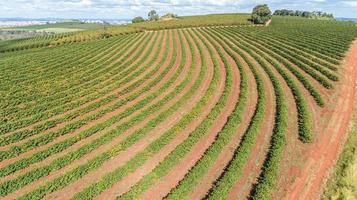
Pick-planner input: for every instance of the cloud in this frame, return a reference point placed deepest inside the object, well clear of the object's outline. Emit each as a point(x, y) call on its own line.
point(126, 9)
point(351, 3)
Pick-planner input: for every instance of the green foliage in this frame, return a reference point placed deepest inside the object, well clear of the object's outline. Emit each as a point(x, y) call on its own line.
point(342, 183)
point(153, 16)
point(306, 14)
point(138, 20)
point(168, 16)
point(139, 134)
point(88, 77)
point(113, 31)
point(198, 134)
point(261, 14)
point(178, 153)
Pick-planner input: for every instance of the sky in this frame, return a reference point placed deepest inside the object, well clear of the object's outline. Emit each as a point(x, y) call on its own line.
point(125, 9)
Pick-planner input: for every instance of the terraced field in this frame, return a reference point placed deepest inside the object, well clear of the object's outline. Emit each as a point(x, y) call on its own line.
point(220, 112)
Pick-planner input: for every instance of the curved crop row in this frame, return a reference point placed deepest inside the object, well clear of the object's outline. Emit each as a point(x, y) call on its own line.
point(167, 114)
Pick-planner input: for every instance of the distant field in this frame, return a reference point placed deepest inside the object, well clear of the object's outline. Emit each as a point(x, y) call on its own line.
point(62, 25)
point(61, 30)
point(190, 21)
point(195, 21)
point(156, 111)
point(50, 30)
point(55, 28)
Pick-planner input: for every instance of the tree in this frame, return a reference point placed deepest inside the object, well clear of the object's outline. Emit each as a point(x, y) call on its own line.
point(137, 20)
point(261, 14)
point(153, 16)
point(307, 14)
point(169, 15)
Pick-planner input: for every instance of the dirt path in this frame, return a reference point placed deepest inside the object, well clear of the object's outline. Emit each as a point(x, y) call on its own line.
point(325, 152)
point(126, 155)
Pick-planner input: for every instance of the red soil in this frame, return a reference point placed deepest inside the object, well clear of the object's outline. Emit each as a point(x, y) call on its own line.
point(162, 187)
point(101, 57)
point(85, 127)
point(323, 154)
point(257, 155)
point(99, 134)
point(123, 157)
point(217, 168)
point(116, 91)
point(124, 185)
point(109, 145)
point(126, 155)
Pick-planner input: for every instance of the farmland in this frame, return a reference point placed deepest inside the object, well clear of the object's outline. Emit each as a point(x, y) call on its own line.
point(31, 31)
point(201, 107)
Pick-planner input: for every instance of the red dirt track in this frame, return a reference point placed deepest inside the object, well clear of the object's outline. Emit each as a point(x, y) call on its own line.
point(322, 156)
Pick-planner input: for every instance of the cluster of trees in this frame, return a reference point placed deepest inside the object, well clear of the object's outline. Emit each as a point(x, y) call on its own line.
point(153, 16)
point(261, 14)
point(307, 14)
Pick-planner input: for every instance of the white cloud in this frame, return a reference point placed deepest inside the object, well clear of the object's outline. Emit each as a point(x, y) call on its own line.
point(351, 3)
point(126, 9)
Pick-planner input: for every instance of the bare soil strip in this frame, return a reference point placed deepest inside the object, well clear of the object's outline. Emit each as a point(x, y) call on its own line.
point(325, 152)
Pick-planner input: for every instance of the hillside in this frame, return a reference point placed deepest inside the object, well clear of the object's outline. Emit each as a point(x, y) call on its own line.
point(111, 31)
point(201, 107)
point(63, 25)
point(21, 33)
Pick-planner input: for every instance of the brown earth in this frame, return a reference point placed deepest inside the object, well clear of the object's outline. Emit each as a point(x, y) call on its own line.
point(121, 137)
point(251, 170)
point(323, 154)
point(216, 169)
point(101, 57)
point(63, 124)
point(64, 137)
point(126, 155)
point(124, 185)
point(163, 186)
point(99, 134)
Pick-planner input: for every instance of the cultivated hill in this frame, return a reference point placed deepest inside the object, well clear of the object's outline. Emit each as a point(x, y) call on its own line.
point(200, 107)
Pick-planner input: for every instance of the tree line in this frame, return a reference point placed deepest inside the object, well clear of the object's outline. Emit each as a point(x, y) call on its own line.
point(153, 16)
point(307, 14)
